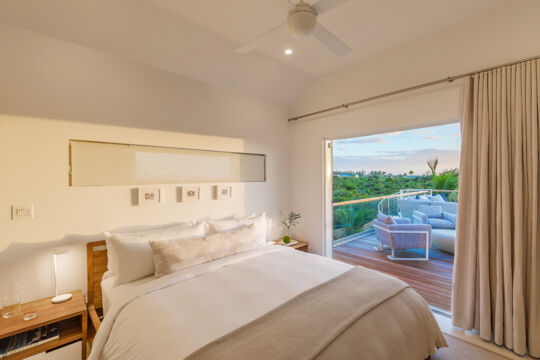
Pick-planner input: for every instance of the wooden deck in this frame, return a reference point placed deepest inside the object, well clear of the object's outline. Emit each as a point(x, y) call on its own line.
point(431, 279)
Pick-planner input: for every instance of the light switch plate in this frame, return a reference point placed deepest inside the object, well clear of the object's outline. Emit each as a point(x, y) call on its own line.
point(22, 212)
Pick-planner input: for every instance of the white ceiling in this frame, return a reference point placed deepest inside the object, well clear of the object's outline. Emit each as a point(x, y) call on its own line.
point(148, 34)
point(198, 38)
point(367, 26)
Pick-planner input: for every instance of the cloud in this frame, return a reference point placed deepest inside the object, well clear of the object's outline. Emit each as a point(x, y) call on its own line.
point(395, 133)
point(399, 162)
point(425, 131)
point(431, 137)
point(363, 140)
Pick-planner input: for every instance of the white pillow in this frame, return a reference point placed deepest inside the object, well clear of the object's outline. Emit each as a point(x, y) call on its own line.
point(111, 259)
point(133, 254)
point(177, 254)
point(233, 224)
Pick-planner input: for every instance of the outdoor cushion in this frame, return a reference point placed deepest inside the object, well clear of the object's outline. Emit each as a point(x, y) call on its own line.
point(444, 240)
point(387, 219)
point(399, 220)
point(437, 198)
point(449, 216)
point(440, 223)
point(431, 211)
point(419, 217)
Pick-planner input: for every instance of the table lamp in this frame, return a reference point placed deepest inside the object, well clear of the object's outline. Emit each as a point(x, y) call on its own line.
point(59, 298)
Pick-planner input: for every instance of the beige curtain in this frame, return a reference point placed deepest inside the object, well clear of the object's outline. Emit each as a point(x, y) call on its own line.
point(497, 261)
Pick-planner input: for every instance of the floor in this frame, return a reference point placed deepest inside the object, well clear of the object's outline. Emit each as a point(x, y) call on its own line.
point(431, 279)
point(462, 350)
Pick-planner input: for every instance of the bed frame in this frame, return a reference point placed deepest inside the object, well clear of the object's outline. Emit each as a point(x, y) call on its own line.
point(96, 263)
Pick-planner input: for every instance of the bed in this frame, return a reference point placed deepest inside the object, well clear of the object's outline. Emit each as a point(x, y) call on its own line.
point(266, 303)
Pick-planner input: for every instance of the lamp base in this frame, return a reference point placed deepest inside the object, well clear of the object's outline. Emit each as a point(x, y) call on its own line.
point(61, 298)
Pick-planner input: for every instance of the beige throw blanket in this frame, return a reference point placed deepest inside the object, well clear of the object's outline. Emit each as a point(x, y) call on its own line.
point(339, 319)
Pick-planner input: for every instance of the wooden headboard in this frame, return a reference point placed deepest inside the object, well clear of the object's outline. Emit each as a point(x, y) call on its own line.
point(96, 263)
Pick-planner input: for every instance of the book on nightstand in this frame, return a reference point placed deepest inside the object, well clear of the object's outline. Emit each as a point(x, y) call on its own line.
point(28, 339)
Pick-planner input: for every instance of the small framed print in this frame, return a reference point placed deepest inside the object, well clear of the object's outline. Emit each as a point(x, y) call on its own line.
point(189, 193)
point(223, 192)
point(149, 195)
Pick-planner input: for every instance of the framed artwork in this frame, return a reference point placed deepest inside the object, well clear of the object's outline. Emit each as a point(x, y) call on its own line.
point(223, 192)
point(189, 193)
point(150, 195)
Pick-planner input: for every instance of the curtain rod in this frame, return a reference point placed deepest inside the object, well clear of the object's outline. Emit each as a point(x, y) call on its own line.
point(411, 88)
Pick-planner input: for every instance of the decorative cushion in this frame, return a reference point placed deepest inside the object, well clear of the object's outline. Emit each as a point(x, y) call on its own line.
point(177, 254)
point(440, 223)
point(431, 211)
point(233, 224)
point(387, 219)
point(133, 254)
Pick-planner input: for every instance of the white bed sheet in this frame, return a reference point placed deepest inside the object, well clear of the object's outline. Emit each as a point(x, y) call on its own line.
point(172, 316)
point(109, 292)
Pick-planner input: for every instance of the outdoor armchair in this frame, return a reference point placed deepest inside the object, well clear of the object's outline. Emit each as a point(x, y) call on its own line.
point(400, 234)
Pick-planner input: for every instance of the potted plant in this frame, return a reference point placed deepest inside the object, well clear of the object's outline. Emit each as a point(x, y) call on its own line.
point(290, 221)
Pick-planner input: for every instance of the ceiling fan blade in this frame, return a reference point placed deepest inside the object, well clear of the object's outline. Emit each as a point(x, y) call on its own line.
point(335, 45)
point(323, 6)
point(244, 49)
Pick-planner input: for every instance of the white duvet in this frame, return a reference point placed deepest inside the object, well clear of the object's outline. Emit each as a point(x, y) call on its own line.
point(173, 316)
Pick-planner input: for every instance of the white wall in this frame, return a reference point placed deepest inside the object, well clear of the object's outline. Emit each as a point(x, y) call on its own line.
point(52, 91)
point(501, 36)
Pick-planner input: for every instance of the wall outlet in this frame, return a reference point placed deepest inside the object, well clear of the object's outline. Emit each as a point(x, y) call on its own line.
point(21, 212)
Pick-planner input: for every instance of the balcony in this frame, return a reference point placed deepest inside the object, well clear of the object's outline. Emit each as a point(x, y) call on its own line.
point(356, 243)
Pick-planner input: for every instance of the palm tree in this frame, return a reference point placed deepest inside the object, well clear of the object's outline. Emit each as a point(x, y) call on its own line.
point(432, 164)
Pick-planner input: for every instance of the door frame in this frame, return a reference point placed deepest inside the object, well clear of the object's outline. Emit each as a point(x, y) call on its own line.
point(328, 210)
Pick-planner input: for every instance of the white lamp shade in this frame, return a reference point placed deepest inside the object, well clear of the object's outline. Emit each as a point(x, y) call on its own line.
point(59, 298)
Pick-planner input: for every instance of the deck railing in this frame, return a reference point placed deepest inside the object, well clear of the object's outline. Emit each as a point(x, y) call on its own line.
point(354, 218)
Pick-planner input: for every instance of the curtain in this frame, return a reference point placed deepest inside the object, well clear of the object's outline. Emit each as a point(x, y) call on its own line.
point(497, 262)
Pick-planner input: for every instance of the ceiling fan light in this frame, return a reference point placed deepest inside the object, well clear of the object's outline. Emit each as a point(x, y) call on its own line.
point(288, 51)
point(301, 20)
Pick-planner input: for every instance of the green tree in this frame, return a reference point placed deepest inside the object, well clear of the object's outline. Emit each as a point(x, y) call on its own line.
point(432, 164)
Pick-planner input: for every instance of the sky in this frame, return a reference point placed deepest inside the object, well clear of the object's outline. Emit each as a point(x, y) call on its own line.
point(401, 151)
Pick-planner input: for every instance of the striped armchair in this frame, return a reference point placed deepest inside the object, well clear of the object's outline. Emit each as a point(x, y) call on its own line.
point(400, 234)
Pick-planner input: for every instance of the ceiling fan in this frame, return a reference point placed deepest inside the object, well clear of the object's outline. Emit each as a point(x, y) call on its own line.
point(302, 21)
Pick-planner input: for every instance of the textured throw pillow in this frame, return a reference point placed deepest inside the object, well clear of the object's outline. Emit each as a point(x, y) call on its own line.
point(431, 211)
point(233, 224)
point(177, 254)
point(133, 254)
point(387, 219)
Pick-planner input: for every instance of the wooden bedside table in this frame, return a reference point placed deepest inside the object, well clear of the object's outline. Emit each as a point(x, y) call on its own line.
point(301, 245)
point(71, 317)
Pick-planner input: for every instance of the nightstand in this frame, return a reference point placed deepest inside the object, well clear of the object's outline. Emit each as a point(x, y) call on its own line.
point(301, 245)
point(71, 317)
